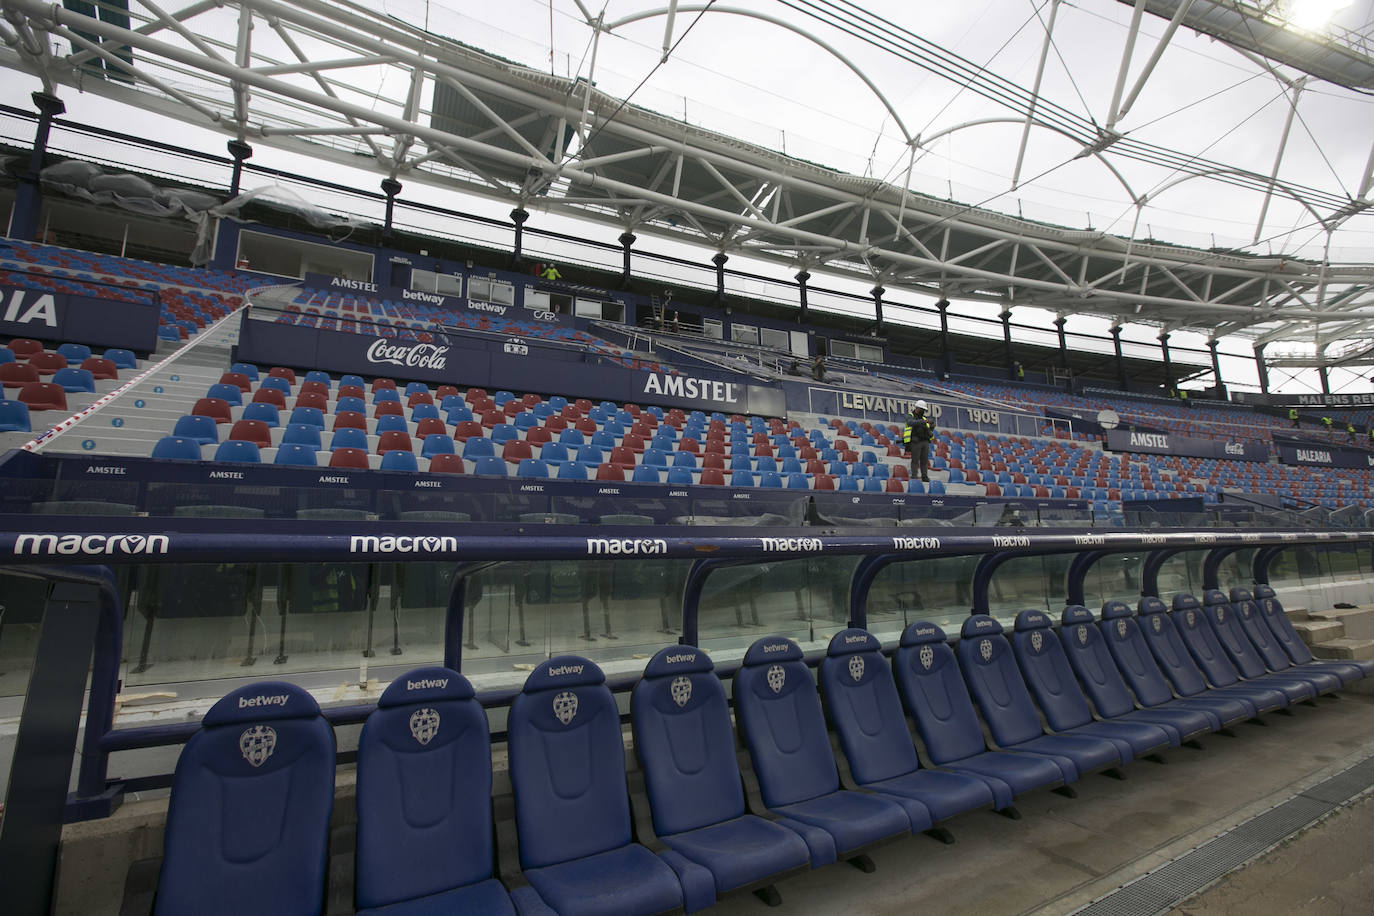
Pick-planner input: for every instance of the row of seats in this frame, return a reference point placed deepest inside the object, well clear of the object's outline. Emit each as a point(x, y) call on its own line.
point(425, 839)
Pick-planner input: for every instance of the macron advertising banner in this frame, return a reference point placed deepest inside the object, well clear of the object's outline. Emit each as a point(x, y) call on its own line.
point(78, 319)
point(1152, 443)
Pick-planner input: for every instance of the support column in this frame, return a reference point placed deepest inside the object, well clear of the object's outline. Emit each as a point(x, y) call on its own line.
point(719, 260)
point(1006, 344)
point(1168, 367)
point(227, 229)
point(390, 187)
point(1122, 381)
point(802, 277)
point(945, 358)
point(1216, 368)
point(1259, 365)
point(1325, 379)
point(28, 197)
point(627, 239)
point(518, 216)
point(1063, 342)
point(877, 292)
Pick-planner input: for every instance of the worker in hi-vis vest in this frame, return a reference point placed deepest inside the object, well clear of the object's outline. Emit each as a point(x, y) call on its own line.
point(916, 439)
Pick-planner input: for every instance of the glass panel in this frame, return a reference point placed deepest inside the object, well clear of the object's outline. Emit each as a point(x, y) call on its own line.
point(804, 599)
point(937, 590)
point(1023, 583)
point(1115, 577)
point(743, 333)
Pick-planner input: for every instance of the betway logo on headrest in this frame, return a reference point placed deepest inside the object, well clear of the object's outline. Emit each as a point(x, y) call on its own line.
point(849, 640)
point(777, 647)
point(371, 543)
point(1234, 448)
point(925, 631)
point(694, 389)
point(984, 624)
point(90, 544)
point(1150, 440)
point(419, 356)
point(626, 546)
point(791, 544)
point(427, 683)
point(1314, 455)
point(565, 669)
point(253, 702)
point(680, 657)
point(1035, 619)
point(488, 307)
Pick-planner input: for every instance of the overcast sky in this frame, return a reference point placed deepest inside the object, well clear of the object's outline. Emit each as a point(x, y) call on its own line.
point(765, 83)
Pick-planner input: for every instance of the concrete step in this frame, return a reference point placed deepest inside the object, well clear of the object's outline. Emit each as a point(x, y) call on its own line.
point(1345, 647)
point(1296, 613)
point(1359, 622)
point(1319, 631)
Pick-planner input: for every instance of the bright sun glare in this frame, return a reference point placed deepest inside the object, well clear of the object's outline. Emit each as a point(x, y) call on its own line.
point(1313, 15)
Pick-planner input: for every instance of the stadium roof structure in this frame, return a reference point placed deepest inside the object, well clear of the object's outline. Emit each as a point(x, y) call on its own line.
point(304, 76)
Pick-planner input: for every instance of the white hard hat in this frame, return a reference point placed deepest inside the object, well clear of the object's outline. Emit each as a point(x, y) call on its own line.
point(921, 405)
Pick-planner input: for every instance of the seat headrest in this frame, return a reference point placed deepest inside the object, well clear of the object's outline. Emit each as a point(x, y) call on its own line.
point(426, 685)
point(1075, 614)
point(1263, 591)
point(979, 625)
point(1240, 594)
point(1151, 605)
point(675, 660)
point(921, 632)
point(771, 649)
point(847, 642)
point(263, 700)
point(563, 671)
point(1215, 596)
point(1032, 620)
point(1111, 610)
point(1185, 602)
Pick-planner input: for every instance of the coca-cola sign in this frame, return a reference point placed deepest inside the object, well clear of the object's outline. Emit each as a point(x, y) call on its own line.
point(419, 356)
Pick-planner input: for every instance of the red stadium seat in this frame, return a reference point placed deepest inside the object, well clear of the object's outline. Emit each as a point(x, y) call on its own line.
point(586, 426)
point(633, 442)
point(531, 400)
point(475, 394)
point(419, 397)
point(623, 457)
point(16, 375)
point(43, 396)
point(464, 430)
point(430, 426)
point(894, 485)
point(237, 379)
point(608, 471)
point(900, 472)
point(283, 372)
point(689, 445)
point(394, 439)
point(25, 347)
point(993, 489)
point(312, 399)
point(353, 458)
point(350, 419)
point(824, 482)
point(218, 408)
point(319, 388)
point(446, 464)
point(352, 391)
point(538, 435)
point(444, 391)
point(273, 396)
point(380, 383)
point(255, 431)
point(47, 363)
point(385, 408)
point(583, 405)
point(554, 424)
point(516, 451)
point(714, 461)
point(100, 368)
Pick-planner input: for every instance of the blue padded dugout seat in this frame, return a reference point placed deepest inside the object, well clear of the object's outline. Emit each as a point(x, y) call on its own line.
point(1197, 636)
point(863, 707)
point(1254, 625)
point(997, 687)
point(1242, 653)
point(572, 810)
point(424, 802)
point(936, 697)
point(1292, 643)
point(1052, 683)
point(779, 716)
point(1102, 681)
point(1181, 671)
point(686, 750)
point(248, 820)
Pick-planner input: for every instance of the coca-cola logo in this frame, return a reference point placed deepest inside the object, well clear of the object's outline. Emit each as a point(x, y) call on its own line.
point(418, 356)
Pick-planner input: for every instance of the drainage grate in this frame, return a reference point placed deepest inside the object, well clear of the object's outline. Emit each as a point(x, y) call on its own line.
point(1171, 884)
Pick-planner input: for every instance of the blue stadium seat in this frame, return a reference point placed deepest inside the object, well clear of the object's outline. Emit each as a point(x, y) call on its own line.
point(684, 460)
point(307, 416)
point(525, 421)
point(399, 459)
point(872, 485)
point(558, 402)
point(572, 811)
point(848, 483)
point(797, 482)
point(741, 462)
point(997, 687)
point(165, 332)
point(319, 375)
point(261, 410)
point(1103, 677)
point(865, 712)
point(487, 465)
point(1226, 624)
point(6, 355)
point(122, 358)
point(741, 478)
point(389, 423)
point(502, 433)
point(1045, 667)
point(203, 429)
point(779, 717)
point(226, 392)
point(348, 438)
point(695, 796)
point(75, 353)
point(273, 381)
point(655, 458)
point(238, 450)
point(231, 780)
point(478, 447)
point(74, 380)
point(437, 444)
point(302, 434)
point(679, 477)
point(355, 404)
point(590, 454)
point(426, 748)
point(1253, 624)
point(423, 411)
point(296, 453)
point(1288, 638)
point(553, 452)
point(770, 480)
point(765, 463)
point(643, 473)
point(1196, 636)
point(935, 695)
point(934, 488)
point(422, 388)
point(178, 447)
point(14, 417)
point(572, 470)
point(351, 380)
point(247, 369)
point(382, 394)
